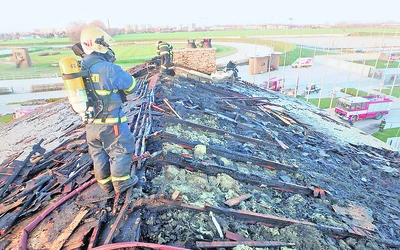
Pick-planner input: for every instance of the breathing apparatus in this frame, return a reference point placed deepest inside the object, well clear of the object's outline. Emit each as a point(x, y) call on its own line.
point(74, 85)
point(78, 81)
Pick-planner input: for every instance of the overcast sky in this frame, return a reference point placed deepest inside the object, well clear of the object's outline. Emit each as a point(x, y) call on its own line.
point(26, 15)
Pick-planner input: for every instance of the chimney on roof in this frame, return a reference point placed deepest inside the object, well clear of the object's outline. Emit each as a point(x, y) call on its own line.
point(207, 43)
point(191, 44)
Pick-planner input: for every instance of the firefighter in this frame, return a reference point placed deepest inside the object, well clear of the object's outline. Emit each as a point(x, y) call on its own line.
point(232, 66)
point(382, 125)
point(350, 120)
point(111, 144)
point(200, 44)
point(164, 50)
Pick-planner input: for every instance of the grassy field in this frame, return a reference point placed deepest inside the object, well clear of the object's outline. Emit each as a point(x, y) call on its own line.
point(381, 64)
point(132, 49)
point(6, 118)
point(365, 31)
point(387, 133)
point(353, 92)
point(388, 91)
point(127, 57)
point(324, 104)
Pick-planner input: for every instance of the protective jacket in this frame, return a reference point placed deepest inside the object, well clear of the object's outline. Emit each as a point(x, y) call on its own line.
point(108, 79)
point(164, 48)
point(232, 66)
point(111, 144)
point(382, 125)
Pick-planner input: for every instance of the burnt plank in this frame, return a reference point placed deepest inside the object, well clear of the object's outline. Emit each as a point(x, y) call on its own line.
point(250, 243)
point(62, 238)
point(235, 201)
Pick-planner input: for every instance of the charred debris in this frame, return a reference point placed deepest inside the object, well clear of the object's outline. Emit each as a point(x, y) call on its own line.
point(222, 164)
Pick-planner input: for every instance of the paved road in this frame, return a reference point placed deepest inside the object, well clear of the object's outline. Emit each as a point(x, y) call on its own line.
point(22, 93)
point(338, 41)
point(244, 51)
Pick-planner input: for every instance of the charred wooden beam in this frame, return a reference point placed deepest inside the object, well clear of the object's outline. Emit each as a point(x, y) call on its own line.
point(250, 243)
point(131, 230)
point(250, 98)
point(237, 200)
point(62, 238)
point(35, 149)
point(270, 220)
point(10, 159)
point(4, 208)
point(233, 236)
point(25, 233)
point(119, 220)
point(220, 132)
point(282, 222)
point(96, 231)
point(134, 245)
point(229, 154)
point(165, 100)
point(212, 169)
point(8, 220)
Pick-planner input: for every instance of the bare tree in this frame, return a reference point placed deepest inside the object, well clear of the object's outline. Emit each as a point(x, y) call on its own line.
point(75, 28)
point(99, 24)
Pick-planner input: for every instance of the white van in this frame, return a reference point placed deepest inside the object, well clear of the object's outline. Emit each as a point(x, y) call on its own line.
point(303, 62)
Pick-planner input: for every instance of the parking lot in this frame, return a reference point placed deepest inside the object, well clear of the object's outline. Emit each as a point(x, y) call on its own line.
point(329, 79)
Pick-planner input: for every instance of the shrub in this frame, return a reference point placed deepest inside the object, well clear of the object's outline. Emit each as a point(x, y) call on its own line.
point(353, 92)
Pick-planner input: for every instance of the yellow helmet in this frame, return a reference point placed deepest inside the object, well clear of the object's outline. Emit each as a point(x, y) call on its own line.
point(95, 39)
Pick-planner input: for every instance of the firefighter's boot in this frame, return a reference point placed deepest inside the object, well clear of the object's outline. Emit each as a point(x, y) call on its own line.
point(121, 186)
point(107, 187)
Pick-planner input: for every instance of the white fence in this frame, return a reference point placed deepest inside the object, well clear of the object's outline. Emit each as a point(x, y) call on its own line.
point(23, 77)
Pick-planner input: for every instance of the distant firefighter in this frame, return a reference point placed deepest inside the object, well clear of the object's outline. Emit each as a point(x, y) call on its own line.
point(382, 125)
point(232, 66)
point(350, 120)
point(164, 49)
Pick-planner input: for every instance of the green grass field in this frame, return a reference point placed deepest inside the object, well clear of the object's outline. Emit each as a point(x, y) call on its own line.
point(127, 57)
point(381, 64)
point(325, 103)
point(365, 31)
point(392, 92)
point(132, 49)
point(6, 118)
point(387, 133)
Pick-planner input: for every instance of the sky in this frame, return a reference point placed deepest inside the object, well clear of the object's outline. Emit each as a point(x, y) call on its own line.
point(27, 15)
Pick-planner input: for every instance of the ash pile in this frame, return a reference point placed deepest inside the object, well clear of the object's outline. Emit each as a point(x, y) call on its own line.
point(221, 165)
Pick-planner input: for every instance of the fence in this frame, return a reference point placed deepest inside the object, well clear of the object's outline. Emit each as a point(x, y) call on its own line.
point(27, 77)
point(47, 87)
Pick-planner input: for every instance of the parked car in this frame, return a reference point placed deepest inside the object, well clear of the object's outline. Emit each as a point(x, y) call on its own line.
point(302, 62)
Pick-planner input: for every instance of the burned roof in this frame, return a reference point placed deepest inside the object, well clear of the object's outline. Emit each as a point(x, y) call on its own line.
point(221, 164)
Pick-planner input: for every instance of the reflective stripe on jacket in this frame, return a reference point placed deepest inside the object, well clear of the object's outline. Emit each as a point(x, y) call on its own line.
point(107, 79)
point(164, 48)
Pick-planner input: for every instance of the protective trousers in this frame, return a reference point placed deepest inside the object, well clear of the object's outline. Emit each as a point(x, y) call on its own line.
point(165, 61)
point(112, 155)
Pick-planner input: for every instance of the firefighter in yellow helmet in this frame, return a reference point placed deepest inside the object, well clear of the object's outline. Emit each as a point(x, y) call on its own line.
point(164, 49)
point(111, 144)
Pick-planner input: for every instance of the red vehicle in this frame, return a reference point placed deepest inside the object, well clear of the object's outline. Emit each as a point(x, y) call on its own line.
point(274, 84)
point(356, 108)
